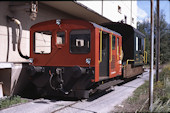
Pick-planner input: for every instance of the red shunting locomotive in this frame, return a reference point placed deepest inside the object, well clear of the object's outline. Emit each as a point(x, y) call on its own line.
point(75, 58)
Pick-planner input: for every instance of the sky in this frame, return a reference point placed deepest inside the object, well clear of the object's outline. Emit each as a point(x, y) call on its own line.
point(143, 11)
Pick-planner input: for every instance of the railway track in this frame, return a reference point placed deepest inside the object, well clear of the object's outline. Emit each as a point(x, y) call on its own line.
point(95, 96)
point(64, 107)
point(102, 102)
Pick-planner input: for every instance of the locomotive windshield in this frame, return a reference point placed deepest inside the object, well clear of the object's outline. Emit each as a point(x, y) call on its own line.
point(42, 42)
point(60, 37)
point(139, 44)
point(80, 41)
point(113, 43)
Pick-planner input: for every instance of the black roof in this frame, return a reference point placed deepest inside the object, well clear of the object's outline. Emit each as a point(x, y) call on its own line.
point(122, 28)
point(105, 28)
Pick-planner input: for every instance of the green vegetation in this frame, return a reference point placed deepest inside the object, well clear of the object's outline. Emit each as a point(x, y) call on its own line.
point(139, 101)
point(160, 106)
point(162, 91)
point(139, 93)
point(162, 87)
point(9, 101)
point(144, 27)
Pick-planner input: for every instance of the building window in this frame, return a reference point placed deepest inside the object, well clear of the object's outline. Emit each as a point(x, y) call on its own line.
point(133, 20)
point(119, 9)
point(125, 19)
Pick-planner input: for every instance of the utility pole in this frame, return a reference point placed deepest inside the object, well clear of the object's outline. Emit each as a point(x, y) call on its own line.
point(151, 60)
point(102, 8)
point(157, 43)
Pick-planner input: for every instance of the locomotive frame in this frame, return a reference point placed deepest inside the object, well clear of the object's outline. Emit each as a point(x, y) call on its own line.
point(79, 58)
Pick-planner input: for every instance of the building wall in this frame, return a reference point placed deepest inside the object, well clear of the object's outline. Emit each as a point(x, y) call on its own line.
point(109, 9)
point(9, 30)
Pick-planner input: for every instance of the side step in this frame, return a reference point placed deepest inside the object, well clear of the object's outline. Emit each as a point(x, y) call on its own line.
point(108, 84)
point(86, 93)
point(105, 86)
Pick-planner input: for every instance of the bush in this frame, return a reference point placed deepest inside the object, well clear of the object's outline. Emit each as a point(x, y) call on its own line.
point(9, 101)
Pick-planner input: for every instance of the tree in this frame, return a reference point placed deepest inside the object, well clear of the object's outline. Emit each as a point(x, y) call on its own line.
point(144, 27)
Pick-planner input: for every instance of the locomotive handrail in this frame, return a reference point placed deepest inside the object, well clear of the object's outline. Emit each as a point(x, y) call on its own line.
point(129, 60)
point(121, 53)
point(117, 48)
point(100, 46)
point(144, 44)
point(145, 57)
point(111, 47)
point(145, 53)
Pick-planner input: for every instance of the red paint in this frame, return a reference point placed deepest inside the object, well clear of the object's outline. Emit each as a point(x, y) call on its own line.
point(60, 54)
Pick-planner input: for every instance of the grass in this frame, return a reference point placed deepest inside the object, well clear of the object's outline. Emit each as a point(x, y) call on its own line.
point(161, 106)
point(139, 98)
point(10, 101)
point(138, 102)
point(162, 91)
point(135, 102)
point(139, 92)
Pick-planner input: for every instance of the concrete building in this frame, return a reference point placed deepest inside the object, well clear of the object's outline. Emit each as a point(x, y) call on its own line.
point(115, 10)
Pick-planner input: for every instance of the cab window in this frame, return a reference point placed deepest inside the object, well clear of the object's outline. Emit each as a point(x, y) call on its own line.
point(60, 37)
point(139, 44)
point(113, 42)
point(80, 41)
point(42, 42)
